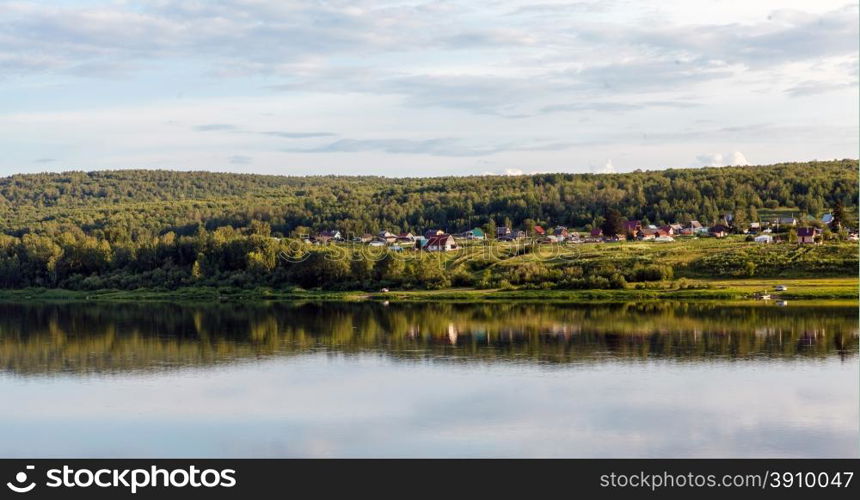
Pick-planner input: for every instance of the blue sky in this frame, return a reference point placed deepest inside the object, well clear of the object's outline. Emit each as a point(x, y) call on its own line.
point(425, 88)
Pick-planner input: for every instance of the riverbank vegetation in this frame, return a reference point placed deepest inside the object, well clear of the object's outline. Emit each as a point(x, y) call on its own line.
point(165, 231)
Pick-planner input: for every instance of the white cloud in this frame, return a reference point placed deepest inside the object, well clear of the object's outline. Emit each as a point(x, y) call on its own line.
point(549, 86)
point(735, 158)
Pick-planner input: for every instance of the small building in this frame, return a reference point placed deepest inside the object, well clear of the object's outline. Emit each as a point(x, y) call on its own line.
point(440, 243)
point(365, 238)
point(665, 231)
point(806, 235)
point(433, 232)
point(719, 231)
point(474, 234)
point(560, 231)
point(324, 237)
point(676, 228)
point(647, 234)
point(763, 238)
point(694, 225)
point(827, 219)
point(786, 221)
point(597, 233)
point(664, 239)
point(632, 227)
point(386, 237)
point(503, 231)
point(405, 238)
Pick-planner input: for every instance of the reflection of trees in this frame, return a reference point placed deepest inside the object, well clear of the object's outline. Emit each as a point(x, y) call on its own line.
point(51, 338)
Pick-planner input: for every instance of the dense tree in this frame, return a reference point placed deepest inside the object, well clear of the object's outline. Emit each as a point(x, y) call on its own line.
point(132, 228)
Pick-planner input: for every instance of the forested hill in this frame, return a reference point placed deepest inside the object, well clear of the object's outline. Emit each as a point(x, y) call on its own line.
point(136, 203)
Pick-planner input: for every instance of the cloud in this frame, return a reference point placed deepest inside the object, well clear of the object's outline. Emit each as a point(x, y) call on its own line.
point(298, 135)
point(211, 127)
point(435, 147)
point(606, 168)
point(811, 88)
point(735, 158)
point(240, 160)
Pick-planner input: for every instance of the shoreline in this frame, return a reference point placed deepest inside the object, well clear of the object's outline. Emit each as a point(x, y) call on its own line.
point(805, 290)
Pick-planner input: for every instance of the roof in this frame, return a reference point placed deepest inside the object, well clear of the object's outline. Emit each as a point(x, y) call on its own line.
point(632, 224)
point(827, 218)
point(438, 240)
point(597, 232)
point(539, 230)
point(477, 232)
point(806, 231)
point(695, 224)
point(328, 234)
point(719, 228)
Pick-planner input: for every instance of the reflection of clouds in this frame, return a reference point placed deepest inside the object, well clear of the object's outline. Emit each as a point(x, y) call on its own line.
point(367, 405)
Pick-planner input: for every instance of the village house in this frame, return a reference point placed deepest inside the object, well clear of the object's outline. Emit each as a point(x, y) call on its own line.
point(597, 233)
point(405, 238)
point(440, 243)
point(503, 231)
point(666, 231)
point(433, 232)
point(324, 237)
point(539, 231)
point(806, 235)
point(786, 221)
point(719, 231)
point(365, 238)
point(647, 234)
point(474, 234)
point(386, 237)
point(632, 227)
point(561, 232)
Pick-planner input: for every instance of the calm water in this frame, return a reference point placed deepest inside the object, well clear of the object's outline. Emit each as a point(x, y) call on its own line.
point(437, 380)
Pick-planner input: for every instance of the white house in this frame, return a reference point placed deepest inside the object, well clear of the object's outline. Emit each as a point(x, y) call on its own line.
point(440, 243)
point(764, 238)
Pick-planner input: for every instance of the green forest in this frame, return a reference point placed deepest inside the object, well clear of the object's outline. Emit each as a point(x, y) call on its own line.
point(128, 229)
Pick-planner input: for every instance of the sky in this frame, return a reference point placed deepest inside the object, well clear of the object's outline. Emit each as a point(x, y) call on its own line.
point(420, 88)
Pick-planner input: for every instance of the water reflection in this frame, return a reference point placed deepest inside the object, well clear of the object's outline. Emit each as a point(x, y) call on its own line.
point(64, 338)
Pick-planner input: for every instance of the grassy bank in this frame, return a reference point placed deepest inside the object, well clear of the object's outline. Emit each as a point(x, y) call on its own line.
point(741, 289)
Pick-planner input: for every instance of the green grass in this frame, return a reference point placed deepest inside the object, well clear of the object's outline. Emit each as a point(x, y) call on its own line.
point(735, 290)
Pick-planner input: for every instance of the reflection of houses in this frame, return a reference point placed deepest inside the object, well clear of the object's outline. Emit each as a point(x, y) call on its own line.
point(806, 235)
point(440, 243)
